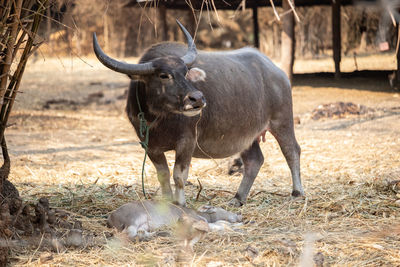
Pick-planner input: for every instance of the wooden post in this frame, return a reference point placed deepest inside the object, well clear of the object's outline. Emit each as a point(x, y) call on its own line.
point(163, 17)
point(398, 54)
point(287, 55)
point(394, 78)
point(255, 27)
point(336, 38)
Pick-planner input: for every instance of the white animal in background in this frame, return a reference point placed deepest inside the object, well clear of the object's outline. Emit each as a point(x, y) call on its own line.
point(141, 218)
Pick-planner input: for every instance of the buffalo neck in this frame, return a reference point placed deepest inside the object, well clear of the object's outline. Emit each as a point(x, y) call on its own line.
point(137, 93)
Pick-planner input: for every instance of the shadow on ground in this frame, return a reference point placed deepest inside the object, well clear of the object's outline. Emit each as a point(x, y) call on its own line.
point(376, 81)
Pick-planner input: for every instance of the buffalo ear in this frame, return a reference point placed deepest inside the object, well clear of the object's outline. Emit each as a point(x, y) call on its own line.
point(196, 75)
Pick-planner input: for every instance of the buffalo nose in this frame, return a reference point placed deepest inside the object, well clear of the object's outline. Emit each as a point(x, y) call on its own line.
point(194, 100)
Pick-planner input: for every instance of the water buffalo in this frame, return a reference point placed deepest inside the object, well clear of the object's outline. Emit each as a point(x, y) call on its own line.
point(209, 104)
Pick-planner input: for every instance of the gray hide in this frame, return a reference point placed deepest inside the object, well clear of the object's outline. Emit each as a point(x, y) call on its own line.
point(242, 95)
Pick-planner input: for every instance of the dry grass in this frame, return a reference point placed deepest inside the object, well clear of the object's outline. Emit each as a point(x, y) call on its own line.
point(88, 162)
point(381, 61)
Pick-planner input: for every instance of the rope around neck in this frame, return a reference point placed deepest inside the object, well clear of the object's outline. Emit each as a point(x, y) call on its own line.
point(144, 129)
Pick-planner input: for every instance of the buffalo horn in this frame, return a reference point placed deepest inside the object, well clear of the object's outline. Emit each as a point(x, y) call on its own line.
point(118, 66)
point(191, 53)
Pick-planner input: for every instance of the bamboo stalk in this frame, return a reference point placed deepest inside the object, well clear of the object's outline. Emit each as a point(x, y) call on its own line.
point(5, 169)
point(20, 41)
point(10, 47)
point(10, 94)
point(9, 84)
point(4, 12)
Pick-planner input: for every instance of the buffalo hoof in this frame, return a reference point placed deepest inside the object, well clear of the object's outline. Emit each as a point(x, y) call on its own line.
point(296, 193)
point(234, 202)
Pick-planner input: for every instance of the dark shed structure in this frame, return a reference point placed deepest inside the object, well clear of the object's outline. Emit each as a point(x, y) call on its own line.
point(288, 21)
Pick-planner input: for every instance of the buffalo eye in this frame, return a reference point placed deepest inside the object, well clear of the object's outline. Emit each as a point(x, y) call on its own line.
point(165, 76)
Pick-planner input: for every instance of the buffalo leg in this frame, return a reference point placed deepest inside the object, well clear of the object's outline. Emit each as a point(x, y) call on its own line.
point(163, 175)
point(283, 131)
point(252, 161)
point(181, 171)
point(180, 176)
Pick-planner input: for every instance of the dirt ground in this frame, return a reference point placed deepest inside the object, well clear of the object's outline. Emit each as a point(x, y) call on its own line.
point(81, 153)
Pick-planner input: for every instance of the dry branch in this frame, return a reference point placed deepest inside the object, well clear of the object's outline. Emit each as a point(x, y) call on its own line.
point(20, 31)
point(10, 44)
point(275, 11)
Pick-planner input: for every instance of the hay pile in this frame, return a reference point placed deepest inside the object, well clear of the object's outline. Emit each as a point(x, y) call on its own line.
point(345, 223)
point(88, 163)
point(350, 216)
point(339, 110)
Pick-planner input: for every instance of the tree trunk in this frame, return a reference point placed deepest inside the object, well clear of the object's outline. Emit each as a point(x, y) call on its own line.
point(163, 18)
point(287, 55)
point(336, 40)
point(255, 27)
